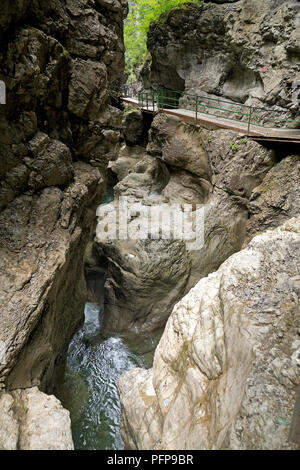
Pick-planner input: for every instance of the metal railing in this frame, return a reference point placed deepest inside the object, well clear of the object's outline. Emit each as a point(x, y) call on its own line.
point(216, 107)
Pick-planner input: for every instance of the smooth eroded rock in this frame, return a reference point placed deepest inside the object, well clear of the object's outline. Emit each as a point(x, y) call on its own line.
point(32, 420)
point(226, 370)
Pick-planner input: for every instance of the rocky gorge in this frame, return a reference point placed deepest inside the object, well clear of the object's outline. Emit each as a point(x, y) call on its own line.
point(226, 371)
point(245, 189)
point(227, 367)
point(243, 51)
point(60, 61)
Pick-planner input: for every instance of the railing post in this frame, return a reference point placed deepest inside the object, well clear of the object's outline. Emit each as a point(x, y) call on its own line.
point(249, 120)
point(153, 100)
point(196, 109)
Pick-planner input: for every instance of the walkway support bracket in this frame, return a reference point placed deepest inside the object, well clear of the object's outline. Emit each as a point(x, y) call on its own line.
point(249, 120)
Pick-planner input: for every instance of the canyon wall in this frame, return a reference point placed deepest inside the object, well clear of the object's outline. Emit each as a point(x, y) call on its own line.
point(245, 51)
point(241, 187)
point(32, 420)
point(239, 51)
point(211, 170)
point(226, 371)
point(61, 62)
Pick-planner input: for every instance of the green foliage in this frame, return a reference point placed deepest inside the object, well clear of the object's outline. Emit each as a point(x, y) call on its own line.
point(141, 14)
point(234, 146)
point(65, 52)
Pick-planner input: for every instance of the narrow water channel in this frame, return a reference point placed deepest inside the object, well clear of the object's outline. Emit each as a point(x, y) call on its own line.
point(89, 385)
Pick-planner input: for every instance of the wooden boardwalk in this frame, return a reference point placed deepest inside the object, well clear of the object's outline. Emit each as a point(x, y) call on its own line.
point(256, 132)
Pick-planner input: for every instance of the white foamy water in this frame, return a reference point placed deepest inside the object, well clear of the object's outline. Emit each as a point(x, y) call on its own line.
point(89, 386)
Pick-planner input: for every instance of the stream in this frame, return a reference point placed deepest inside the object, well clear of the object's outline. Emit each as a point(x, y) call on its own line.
point(88, 384)
point(88, 388)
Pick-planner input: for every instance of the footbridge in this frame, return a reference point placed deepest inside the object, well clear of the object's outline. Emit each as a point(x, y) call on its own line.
point(255, 122)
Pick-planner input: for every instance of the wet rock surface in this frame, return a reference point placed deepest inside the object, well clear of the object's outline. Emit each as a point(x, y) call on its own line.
point(126, 161)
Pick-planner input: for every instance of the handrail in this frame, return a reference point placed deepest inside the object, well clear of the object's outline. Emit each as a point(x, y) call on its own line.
point(164, 99)
point(219, 99)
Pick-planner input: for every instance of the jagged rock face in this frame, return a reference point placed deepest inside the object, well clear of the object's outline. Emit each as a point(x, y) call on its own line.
point(133, 127)
point(181, 148)
point(126, 161)
point(226, 370)
point(211, 169)
point(277, 198)
point(60, 61)
point(32, 420)
point(246, 51)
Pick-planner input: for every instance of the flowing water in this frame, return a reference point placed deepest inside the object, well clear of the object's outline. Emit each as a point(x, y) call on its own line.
point(89, 385)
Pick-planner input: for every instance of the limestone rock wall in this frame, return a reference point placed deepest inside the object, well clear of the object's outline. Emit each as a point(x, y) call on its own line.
point(216, 170)
point(276, 199)
point(226, 370)
point(32, 420)
point(245, 51)
point(60, 61)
